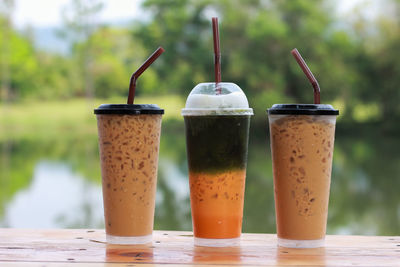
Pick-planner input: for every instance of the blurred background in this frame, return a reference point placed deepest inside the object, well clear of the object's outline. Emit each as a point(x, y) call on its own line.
point(61, 59)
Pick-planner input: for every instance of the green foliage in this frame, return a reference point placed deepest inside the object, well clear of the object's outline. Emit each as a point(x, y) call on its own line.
point(116, 57)
point(18, 61)
point(355, 64)
point(33, 120)
point(256, 39)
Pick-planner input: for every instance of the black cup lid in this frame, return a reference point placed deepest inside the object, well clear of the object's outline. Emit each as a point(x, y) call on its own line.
point(302, 109)
point(132, 109)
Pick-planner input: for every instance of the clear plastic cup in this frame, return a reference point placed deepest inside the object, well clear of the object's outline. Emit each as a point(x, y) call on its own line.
point(129, 139)
point(217, 129)
point(302, 141)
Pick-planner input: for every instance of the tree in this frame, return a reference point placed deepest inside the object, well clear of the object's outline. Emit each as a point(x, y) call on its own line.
point(17, 60)
point(6, 8)
point(80, 23)
point(116, 56)
point(183, 31)
point(256, 39)
point(382, 71)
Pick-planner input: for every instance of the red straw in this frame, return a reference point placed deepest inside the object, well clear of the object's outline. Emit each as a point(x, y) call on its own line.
point(136, 74)
point(217, 54)
point(309, 75)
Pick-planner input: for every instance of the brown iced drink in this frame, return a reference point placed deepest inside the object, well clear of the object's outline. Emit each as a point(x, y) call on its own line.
point(302, 150)
point(129, 145)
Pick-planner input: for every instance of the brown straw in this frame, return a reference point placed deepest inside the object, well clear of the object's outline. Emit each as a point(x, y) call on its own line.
point(217, 54)
point(309, 75)
point(136, 74)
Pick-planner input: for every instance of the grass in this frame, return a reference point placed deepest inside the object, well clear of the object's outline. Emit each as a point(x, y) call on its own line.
point(48, 119)
point(40, 119)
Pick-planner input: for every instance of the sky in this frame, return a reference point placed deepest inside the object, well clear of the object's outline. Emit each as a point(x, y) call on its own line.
point(47, 13)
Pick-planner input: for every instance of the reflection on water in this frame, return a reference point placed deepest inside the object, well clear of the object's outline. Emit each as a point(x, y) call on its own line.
point(55, 182)
point(56, 197)
point(172, 200)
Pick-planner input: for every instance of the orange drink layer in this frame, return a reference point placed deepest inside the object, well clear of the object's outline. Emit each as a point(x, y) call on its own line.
point(217, 203)
point(217, 155)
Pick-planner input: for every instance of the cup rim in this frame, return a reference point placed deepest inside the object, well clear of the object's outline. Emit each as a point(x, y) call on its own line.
point(217, 112)
point(302, 109)
point(128, 109)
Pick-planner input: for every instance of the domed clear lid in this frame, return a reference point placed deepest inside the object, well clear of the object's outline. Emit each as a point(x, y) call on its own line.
point(223, 99)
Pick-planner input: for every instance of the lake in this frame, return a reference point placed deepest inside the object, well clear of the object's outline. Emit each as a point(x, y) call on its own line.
point(54, 181)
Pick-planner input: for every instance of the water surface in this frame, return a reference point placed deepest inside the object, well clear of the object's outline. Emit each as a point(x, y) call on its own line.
point(55, 182)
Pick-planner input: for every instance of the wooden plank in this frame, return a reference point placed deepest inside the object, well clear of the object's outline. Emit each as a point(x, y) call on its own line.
point(170, 248)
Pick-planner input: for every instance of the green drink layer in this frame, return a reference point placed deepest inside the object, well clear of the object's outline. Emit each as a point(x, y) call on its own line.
point(216, 143)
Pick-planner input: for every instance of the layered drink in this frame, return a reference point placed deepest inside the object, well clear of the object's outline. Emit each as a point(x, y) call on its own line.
point(217, 127)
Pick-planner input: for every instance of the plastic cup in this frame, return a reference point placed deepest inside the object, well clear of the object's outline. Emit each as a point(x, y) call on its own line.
point(129, 139)
point(302, 141)
point(217, 130)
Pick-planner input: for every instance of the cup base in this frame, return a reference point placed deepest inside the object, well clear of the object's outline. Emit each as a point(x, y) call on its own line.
point(289, 243)
point(217, 242)
point(129, 240)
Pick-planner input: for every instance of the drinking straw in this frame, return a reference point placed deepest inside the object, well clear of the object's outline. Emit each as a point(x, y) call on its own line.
point(217, 54)
point(309, 75)
point(136, 74)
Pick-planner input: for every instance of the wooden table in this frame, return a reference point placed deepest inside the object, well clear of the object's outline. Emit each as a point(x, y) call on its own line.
point(28, 247)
